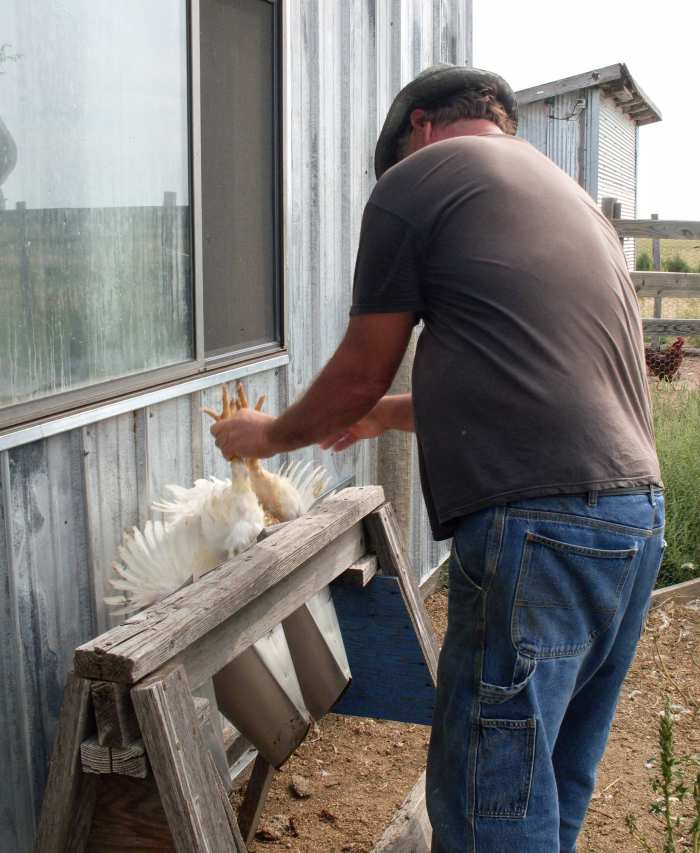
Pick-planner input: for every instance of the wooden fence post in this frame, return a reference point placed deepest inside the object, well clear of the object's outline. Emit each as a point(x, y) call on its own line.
point(656, 258)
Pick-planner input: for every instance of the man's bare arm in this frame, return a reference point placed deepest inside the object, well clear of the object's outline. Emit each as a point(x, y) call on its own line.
point(392, 412)
point(348, 387)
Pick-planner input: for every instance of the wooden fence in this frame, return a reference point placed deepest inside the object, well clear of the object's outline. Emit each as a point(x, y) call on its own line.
point(657, 284)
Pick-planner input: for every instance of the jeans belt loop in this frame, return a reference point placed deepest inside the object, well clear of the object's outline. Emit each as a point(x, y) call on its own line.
point(652, 495)
point(593, 498)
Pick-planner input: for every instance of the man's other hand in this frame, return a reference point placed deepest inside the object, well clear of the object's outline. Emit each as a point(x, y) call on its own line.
point(368, 427)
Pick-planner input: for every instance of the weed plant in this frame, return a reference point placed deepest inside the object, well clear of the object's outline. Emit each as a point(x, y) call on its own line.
point(677, 424)
point(672, 789)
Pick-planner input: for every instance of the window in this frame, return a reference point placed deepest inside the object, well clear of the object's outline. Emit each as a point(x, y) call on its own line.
point(99, 293)
point(238, 174)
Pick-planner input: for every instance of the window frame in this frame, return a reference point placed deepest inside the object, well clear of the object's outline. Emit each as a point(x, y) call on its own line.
point(17, 417)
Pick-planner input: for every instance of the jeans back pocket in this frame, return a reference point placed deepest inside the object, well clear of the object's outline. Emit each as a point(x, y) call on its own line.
point(566, 596)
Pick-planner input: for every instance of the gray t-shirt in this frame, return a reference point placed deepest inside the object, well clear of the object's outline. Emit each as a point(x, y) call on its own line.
point(529, 377)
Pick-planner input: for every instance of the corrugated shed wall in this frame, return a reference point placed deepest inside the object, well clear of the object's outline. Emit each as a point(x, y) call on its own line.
point(617, 162)
point(562, 132)
point(66, 501)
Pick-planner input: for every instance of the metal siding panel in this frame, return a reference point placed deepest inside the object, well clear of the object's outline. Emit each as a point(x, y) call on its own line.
point(617, 162)
point(167, 450)
point(112, 493)
point(17, 805)
point(51, 587)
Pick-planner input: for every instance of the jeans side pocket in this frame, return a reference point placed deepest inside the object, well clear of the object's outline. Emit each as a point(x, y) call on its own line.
point(504, 763)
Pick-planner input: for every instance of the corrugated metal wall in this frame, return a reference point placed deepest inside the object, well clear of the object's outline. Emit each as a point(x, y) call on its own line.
point(66, 500)
point(617, 162)
point(563, 133)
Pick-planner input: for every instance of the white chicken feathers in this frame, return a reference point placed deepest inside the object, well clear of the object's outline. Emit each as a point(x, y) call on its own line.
point(207, 523)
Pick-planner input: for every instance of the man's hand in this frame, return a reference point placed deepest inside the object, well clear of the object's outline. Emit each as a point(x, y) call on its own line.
point(368, 427)
point(247, 434)
point(392, 412)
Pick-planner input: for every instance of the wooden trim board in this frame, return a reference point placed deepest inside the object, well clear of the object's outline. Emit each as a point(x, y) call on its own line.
point(681, 592)
point(409, 830)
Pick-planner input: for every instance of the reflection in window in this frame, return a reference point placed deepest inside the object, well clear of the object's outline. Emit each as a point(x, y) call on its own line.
point(95, 257)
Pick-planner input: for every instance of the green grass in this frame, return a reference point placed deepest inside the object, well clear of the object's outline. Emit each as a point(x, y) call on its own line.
point(677, 425)
point(689, 250)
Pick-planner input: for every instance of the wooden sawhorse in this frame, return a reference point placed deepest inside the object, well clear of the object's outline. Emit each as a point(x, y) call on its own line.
point(133, 686)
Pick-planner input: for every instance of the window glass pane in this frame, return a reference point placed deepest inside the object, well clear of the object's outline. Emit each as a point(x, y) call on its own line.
point(95, 269)
point(238, 179)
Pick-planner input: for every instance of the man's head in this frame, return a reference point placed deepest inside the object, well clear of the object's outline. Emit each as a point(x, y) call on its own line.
point(444, 101)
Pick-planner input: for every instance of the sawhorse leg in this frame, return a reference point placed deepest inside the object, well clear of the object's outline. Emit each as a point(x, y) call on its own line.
point(69, 799)
point(254, 801)
point(199, 814)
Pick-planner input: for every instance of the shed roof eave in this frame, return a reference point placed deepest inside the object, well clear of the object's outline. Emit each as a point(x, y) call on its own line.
point(604, 78)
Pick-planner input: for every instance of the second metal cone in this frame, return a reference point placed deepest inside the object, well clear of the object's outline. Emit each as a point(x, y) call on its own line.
point(318, 652)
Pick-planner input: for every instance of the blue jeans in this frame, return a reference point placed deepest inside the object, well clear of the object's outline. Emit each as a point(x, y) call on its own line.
point(548, 598)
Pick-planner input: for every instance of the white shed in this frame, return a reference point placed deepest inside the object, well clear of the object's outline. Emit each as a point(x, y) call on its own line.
point(589, 125)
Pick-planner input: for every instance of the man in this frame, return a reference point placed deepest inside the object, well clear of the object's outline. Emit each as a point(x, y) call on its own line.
point(536, 446)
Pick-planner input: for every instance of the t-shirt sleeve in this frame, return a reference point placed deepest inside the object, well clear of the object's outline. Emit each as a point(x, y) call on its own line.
point(388, 267)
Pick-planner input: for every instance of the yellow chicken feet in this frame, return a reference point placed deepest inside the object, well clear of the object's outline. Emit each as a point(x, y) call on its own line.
point(228, 410)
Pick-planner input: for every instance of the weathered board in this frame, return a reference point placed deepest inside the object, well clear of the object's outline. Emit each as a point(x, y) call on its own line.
point(664, 229)
point(676, 284)
point(671, 327)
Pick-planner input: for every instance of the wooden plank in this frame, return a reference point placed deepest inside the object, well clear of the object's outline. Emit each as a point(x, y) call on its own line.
point(121, 760)
point(385, 538)
point(254, 801)
point(128, 816)
point(62, 798)
point(607, 205)
point(361, 572)
point(671, 327)
point(198, 811)
point(212, 652)
point(130, 759)
point(680, 592)
point(131, 651)
point(390, 677)
point(658, 300)
point(116, 721)
point(212, 730)
point(409, 830)
point(662, 284)
point(664, 229)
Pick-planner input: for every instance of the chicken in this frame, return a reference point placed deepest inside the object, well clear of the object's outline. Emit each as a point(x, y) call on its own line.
point(213, 520)
point(290, 493)
point(665, 363)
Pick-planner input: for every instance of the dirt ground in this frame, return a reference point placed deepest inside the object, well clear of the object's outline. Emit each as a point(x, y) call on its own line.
point(352, 774)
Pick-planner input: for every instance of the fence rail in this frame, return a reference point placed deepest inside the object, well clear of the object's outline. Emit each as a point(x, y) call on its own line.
point(675, 284)
point(659, 284)
point(657, 229)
